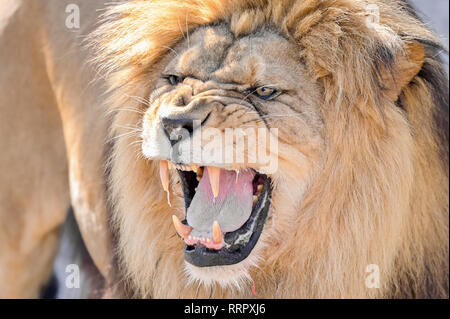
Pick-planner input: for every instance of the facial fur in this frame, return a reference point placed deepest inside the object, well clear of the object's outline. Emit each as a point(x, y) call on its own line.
point(218, 75)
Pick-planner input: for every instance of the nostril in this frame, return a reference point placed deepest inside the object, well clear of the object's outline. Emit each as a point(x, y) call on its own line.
point(176, 129)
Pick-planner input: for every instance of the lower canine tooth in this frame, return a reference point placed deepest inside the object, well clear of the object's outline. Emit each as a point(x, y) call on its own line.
point(217, 233)
point(181, 229)
point(255, 199)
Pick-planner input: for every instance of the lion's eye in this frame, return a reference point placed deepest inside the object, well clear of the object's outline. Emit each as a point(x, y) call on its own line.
point(174, 79)
point(265, 93)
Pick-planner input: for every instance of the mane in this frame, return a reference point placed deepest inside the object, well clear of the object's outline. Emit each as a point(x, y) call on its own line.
point(387, 167)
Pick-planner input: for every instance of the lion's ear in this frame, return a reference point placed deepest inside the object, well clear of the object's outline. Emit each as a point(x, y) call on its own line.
point(408, 64)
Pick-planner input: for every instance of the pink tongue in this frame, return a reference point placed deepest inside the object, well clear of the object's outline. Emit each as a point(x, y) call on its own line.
point(231, 208)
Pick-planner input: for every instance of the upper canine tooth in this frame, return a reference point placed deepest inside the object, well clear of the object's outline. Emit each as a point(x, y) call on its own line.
point(164, 174)
point(181, 229)
point(217, 233)
point(214, 179)
point(259, 188)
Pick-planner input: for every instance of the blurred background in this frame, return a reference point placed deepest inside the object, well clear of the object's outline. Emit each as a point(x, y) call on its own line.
point(434, 13)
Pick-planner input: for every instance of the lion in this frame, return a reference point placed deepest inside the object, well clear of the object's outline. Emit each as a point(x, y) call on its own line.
point(114, 121)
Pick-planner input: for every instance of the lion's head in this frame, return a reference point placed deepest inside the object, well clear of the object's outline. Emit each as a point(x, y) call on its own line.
point(294, 143)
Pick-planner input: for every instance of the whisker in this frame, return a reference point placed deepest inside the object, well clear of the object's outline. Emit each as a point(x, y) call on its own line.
point(122, 135)
point(125, 110)
point(169, 48)
point(139, 143)
point(187, 30)
point(135, 128)
point(179, 25)
point(139, 99)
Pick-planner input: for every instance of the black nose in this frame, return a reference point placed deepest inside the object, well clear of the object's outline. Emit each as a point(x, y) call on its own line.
point(177, 129)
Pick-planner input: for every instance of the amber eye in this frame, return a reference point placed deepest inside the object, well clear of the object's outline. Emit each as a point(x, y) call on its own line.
point(265, 92)
point(174, 79)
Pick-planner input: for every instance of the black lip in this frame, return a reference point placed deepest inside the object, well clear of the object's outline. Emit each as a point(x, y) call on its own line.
point(203, 257)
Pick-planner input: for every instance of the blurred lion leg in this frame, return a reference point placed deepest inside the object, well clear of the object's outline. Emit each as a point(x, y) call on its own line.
point(34, 192)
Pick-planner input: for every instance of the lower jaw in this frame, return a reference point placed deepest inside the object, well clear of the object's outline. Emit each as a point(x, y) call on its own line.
point(242, 246)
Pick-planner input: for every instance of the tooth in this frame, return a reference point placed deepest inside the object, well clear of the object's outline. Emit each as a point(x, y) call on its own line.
point(217, 233)
point(181, 229)
point(214, 179)
point(255, 199)
point(259, 188)
point(164, 174)
point(194, 167)
point(237, 177)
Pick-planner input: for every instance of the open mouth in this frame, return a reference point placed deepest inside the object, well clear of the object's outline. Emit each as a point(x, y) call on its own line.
point(225, 212)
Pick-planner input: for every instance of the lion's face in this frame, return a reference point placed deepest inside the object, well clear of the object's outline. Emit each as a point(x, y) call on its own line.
point(236, 123)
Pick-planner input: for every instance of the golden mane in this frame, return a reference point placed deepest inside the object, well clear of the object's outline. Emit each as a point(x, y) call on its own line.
point(386, 172)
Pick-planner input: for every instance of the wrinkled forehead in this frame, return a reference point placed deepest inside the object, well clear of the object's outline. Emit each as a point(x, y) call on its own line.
point(214, 53)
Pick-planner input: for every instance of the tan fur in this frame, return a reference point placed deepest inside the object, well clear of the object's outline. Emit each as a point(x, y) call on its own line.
point(375, 186)
point(53, 134)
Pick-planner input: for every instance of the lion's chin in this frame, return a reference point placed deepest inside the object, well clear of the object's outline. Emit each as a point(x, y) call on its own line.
point(235, 277)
